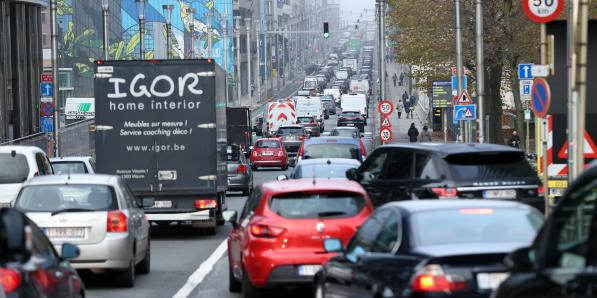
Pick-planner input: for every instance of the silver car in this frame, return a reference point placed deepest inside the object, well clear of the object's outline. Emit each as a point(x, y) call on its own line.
point(99, 214)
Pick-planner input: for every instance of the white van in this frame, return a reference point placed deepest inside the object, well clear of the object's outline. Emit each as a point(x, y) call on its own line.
point(360, 86)
point(17, 165)
point(333, 92)
point(310, 106)
point(354, 102)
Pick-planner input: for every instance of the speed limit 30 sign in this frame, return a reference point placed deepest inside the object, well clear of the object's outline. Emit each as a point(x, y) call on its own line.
point(385, 107)
point(543, 11)
point(385, 134)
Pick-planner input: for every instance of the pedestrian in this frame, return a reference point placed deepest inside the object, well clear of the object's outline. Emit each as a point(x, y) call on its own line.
point(407, 108)
point(394, 78)
point(425, 135)
point(514, 140)
point(412, 103)
point(401, 79)
point(399, 107)
point(413, 133)
point(386, 74)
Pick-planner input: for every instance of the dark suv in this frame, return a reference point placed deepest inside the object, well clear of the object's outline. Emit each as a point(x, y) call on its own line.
point(448, 171)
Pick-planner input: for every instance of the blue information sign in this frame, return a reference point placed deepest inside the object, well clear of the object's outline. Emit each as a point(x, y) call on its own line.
point(47, 124)
point(47, 89)
point(465, 112)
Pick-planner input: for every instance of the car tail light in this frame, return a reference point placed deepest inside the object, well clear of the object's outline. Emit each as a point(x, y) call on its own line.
point(540, 191)
point(117, 222)
point(45, 280)
point(206, 204)
point(280, 153)
point(241, 169)
point(265, 231)
point(300, 152)
point(255, 154)
point(11, 279)
point(432, 278)
point(445, 192)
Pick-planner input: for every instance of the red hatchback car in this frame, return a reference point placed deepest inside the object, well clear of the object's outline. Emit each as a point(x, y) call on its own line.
point(269, 153)
point(277, 240)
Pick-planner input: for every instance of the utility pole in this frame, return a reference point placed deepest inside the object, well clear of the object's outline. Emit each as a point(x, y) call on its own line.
point(141, 11)
point(55, 100)
point(105, 9)
point(459, 55)
point(277, 55)
point(209, 15)
point(224, 52)
point(481, 69)
point(266, 68)
point(257, 27)
point(237, 48)
point(249, 61)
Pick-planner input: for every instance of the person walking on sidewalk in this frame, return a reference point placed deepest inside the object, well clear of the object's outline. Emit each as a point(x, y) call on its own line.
point(401, 79)
point(394, 78)
point(413, 133)
point(412, 103)
point(405, 97)
point(399, 107)
point(425, 135)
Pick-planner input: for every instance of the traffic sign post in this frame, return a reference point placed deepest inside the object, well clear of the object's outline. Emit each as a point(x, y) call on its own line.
point(465, 112)
point(464, 99)
point(525, 89)
point(525, 71)
point(542, 11)
point(47, 89)
point(540, 97)
point(385, 108)
point(385, 135)
point(385, 122)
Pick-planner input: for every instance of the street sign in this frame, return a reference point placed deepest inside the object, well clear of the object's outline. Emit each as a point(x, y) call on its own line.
point(542, 11)
point(386, 122)
point(540, 97)
point(440, 94)
point(46, 77)
point(527, 115)
point(465, 112)
point(589, 148)
point(525, 89)
point(540, 71)
point(385, 107)
point(47, 124)
point(385, 134)
point(46, 99)
point(455, 84)
point(46, 109)
point(525, 71)
point(455, 70)
point(464, 99)
point(47, 89)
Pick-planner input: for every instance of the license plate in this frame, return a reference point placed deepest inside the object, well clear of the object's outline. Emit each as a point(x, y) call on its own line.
point(162, 204)
point(500, 194)
point(490, 281)
point(556, 192)
point(349, 124)
point(65, 233)
point(308, 270)
point(267, 153)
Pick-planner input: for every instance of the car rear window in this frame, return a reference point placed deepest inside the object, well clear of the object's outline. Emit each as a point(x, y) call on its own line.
point(330, 150)
point(317, 205)
point(290, 131)
point(479, 166)
point(51, 198)
point(332, 171)
point(304, 119)
point(267, 144)
point(69, 167)
point(13, 169)
point(350, 114)
point(349, 133)
point(232, 153)
point(475, 225)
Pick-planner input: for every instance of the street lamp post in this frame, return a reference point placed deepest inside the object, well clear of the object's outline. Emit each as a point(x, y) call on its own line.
point(54, 33)
point(141, 12)
point(168, 14)
point(249, 60)
point(105, 25)
point(192, 12)
point(237, 47)
point(257, 26)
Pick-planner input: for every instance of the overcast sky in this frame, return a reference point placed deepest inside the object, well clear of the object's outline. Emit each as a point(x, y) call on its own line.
point(353, 8)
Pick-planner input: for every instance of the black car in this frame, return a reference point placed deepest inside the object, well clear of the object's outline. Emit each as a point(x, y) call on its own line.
point(561, 260)
point(29, 265)
point(442, 171)
point(352, 119)
point(448, 248)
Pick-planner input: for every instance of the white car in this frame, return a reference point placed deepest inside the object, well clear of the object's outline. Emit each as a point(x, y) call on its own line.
point(99, 214)
point(73, 165)
point(17, 165)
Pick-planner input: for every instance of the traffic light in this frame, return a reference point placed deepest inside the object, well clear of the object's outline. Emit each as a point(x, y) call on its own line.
point(326, 30)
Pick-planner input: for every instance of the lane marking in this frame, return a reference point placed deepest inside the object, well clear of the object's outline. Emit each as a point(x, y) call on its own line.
point(204, 269)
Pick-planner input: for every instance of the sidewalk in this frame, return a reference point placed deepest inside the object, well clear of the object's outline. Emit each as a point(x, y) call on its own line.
point(400, 126)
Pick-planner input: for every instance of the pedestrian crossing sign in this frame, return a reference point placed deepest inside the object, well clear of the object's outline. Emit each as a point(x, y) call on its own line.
point(465, 112)
point(386, 122)
point(464, 99)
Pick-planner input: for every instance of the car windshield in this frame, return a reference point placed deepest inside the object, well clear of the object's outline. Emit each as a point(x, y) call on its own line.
point(482, 166)
point(233, 153)
point(323, 170)
point(13, 169)
point(69, 167)
point(284, 131)
point(475, 225)
point(315, 205)
point(349, 133)
point(51, 198)
point(267, 144)
point(330, 150)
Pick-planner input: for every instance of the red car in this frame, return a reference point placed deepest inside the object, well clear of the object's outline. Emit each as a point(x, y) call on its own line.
point(268, 153)
point(277, 240)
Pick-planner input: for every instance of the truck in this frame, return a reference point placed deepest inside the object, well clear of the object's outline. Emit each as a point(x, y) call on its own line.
point(161, 126)
point(355, 102)
point(279, 113)
point(239, 127)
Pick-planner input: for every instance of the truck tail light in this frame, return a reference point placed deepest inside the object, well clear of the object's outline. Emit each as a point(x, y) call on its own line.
point(445, 192)
point(432, 278)
point(206, 204)
point(242, 169)
point(11, 279)
point(265, 231)
point(117, 222)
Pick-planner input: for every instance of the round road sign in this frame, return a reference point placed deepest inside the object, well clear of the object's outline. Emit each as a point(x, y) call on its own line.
point(385, 134)
point(542, 11)
point(385, 107)
point(540, 97)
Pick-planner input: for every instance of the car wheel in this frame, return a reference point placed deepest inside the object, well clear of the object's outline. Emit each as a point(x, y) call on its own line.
point(126, 278)
point(145, 266)
point(249, 290)
point(234, 285)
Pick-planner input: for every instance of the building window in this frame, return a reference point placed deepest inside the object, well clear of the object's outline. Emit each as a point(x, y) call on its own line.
point(45, 40)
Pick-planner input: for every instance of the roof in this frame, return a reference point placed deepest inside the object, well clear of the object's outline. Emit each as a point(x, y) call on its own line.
point(18, 148)
point(454, 148)
point(416, 206)
point(331, 140)
point(70, 158)
point(324, 161)
point(73, 179)
point(307, 185)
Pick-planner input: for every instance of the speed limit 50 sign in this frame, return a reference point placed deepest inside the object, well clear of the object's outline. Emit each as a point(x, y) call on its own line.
point(385, 107)
point(543, 11)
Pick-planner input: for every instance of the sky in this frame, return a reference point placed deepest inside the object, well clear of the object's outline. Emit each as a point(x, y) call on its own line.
point(351, 9)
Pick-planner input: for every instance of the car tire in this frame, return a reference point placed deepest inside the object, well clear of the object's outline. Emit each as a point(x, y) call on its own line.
point(126, 278)
point(234, 285)
point(249, 290)
point(145, 266)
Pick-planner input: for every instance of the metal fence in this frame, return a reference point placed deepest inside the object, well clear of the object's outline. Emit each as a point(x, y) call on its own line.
point(76, 140)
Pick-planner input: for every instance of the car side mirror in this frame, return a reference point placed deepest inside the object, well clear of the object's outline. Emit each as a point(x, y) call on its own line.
point(352, 174)
point(69, 251)
point(282, 178)
point(332, 245)
point(148, 202)
point(231, 216)
point(519, 260)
